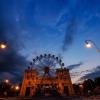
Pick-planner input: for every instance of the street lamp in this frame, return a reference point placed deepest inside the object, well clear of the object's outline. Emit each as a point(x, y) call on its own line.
point(17, 88)
point(6, 81)
point(3, 46)
point(90, 44)
point(81, 88)
point(5, 87)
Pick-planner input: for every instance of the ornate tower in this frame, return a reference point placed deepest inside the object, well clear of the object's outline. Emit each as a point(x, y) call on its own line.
point(64, 80)
point(29, 82)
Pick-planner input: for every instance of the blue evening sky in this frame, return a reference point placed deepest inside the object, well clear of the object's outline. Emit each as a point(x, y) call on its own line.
point(40, 26)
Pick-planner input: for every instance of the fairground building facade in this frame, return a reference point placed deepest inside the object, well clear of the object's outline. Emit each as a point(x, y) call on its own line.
point(46, 79)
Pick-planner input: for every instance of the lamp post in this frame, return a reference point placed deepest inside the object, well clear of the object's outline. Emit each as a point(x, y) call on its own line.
point(90, 44)
point(17, 88)
point(81, 88)
point(6, 87)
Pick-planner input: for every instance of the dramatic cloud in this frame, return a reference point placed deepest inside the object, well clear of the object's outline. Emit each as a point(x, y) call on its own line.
point(11, 61)
point(69, 18)
point(92, 74)
point(70, 67)
point(69, 36)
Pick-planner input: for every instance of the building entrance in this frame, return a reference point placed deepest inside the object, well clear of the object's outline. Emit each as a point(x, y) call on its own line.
point(47, 90)
point(66, 91)
point(27, 93)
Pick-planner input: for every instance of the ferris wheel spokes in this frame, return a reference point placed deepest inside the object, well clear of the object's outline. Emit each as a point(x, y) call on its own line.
point(46, 64)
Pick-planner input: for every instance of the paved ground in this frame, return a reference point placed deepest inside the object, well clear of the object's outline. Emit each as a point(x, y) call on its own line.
point(43, 98)
point(54, 98)
point(92, 98)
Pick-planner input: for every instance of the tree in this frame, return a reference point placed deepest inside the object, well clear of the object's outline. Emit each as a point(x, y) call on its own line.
point(76, 88)
point(89, 86)
point(97, 81)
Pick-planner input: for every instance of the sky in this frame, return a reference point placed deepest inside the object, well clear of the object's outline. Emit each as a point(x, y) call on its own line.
point(59, 27)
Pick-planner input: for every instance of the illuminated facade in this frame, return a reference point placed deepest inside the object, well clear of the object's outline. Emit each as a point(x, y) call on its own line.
point(34, 84)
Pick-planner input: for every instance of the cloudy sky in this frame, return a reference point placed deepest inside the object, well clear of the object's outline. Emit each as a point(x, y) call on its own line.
point(59, 27)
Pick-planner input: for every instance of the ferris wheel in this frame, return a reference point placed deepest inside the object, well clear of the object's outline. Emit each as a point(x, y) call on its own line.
point(46, 64)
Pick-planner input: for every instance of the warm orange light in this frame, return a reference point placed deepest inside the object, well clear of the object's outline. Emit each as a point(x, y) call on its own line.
point(3, 46)
point(12, 86)
point(81, 86)
point(17, 88)
point(6, 81)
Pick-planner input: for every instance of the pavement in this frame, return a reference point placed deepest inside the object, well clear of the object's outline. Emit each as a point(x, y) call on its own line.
point(41, 98)
point(92, 98)
point(52, 98)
